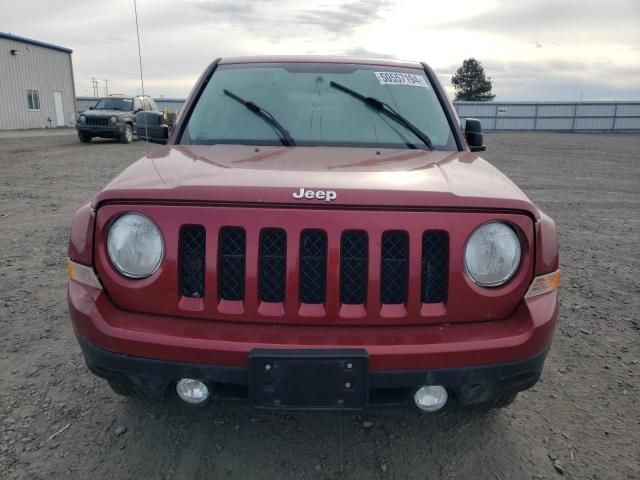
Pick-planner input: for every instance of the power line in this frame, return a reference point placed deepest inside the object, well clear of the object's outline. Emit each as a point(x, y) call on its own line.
point(146, 124)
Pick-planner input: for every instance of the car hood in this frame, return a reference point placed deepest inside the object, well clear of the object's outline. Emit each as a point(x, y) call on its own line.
point(360, 177)
point(104, 113)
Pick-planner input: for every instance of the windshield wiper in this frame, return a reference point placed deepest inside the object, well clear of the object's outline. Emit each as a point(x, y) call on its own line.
point(286, 137)
point(385, 109)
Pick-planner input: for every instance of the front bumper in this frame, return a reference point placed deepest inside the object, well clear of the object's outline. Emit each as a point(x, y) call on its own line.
point(466, 385)
point(110, 131)
point(475, 360)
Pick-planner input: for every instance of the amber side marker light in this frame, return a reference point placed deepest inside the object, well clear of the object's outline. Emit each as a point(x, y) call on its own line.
point(82, 274)
point(544, 284)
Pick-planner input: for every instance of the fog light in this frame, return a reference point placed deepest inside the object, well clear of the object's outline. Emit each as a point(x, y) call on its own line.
point(430, 398)
point(192, 391)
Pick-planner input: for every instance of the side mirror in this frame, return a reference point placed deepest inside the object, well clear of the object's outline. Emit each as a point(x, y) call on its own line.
point(473, 135)
point(150, 127)
point(92, 107)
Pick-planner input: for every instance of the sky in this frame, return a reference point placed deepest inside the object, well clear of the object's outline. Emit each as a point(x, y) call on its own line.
point(531, 49)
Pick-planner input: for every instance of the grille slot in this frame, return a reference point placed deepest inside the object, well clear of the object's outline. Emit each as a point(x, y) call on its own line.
point(435, 253)
point(232, 263)
point(192, 252)
point(273, 248)
point(313, 266)
point(353, 267)
point(98, 121)
point(394, 268)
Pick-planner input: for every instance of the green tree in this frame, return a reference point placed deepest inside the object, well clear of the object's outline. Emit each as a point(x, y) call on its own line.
point(470, 82)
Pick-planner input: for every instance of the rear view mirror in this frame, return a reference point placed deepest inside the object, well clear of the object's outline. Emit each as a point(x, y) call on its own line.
point(473, 135)
point(150, 127)
point(92, 107)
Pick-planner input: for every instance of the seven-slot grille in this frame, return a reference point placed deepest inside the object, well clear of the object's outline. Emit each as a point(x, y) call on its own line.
point(312, 265)
point(98, 121)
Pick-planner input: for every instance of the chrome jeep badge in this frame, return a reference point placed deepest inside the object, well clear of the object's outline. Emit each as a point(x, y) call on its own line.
point(327, 195)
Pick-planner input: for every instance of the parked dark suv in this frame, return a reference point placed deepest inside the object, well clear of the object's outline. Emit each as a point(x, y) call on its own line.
point(113, 117)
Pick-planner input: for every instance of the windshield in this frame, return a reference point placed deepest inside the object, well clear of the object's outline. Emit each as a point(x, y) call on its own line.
point(125, 104)
point(302, 99)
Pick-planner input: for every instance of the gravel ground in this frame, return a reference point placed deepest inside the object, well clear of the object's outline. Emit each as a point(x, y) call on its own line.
point(581, 421)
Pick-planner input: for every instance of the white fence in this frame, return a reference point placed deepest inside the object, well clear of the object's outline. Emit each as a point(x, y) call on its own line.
point(560, 116)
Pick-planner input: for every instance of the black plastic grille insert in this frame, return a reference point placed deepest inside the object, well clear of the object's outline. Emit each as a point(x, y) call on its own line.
point(353, 267)
point(435, 253)
point(192, 251)
point(313, 266)
point(273, 250)
point(99, 121)
point(394, 268)
point(231, 272)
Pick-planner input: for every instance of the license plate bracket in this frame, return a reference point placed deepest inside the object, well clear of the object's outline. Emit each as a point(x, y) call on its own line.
point(318, 379)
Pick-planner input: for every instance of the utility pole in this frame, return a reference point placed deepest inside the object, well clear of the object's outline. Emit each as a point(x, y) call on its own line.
point(106, 87)
point(94, 86)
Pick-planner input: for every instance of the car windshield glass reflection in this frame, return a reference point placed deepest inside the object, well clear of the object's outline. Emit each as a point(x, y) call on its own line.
point(124, 104)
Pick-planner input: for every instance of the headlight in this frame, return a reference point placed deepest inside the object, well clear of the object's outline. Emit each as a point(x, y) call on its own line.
point(135, 245)
point(114, 119)
point(82, 119)
point(492, 255)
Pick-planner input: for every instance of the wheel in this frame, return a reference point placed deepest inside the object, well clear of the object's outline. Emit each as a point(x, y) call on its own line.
point(84, 137)
point(495, 403)
point(127, 134)
point(124, 388)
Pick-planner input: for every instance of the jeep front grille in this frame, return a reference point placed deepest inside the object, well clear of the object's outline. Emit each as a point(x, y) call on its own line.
point(98, 121)
point(314, 265)
point(312, 247)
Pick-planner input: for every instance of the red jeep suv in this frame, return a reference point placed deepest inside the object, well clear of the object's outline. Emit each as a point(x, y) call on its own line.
point(317, 234)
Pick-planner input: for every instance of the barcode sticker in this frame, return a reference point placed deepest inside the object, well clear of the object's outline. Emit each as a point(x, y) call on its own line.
point(398, 78)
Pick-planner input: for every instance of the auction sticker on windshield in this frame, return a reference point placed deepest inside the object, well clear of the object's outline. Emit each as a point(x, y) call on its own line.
point(398, 78)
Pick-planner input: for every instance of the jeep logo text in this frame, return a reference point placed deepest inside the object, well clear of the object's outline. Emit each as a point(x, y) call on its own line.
point(317, 194)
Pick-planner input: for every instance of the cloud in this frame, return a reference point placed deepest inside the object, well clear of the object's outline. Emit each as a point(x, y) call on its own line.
point(277, 18)
point(587, 45)
point(363, 52)
point(555, 18)
point(233, 11)
point(345, 18)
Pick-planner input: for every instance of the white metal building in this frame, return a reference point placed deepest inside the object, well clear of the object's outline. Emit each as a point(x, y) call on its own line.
point(36, 84)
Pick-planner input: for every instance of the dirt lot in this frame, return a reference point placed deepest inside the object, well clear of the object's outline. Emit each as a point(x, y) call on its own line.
point(583, 419)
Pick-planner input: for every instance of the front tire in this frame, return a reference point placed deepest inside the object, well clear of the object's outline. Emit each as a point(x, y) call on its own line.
point(84, 137)
point(127, 134)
